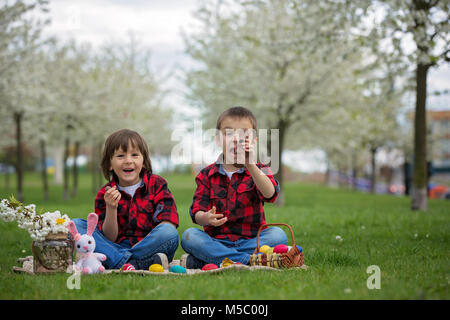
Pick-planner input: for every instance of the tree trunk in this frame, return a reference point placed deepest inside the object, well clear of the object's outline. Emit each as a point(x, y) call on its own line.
point(341, 175)
point(97, 166)
point(327, 180)
point(349, 172)
point(58, 176)
point(44, 169)
point(407, 177)
point(354, 170)
point(92, 166)
point(66, 170)
point(373, 177)
point(97, 174)
point(18, 116)
point(75, 170)
point(419, 183)
point(7, 164)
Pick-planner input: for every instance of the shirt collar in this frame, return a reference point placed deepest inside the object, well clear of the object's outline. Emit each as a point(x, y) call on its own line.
point(218, 167)
point(144, 181)
point(137, 185)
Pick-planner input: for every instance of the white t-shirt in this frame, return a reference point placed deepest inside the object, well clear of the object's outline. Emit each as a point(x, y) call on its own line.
point(229, 174)
point(131, 190)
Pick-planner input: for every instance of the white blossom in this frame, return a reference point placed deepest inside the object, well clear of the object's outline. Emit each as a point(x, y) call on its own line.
point(38, 226)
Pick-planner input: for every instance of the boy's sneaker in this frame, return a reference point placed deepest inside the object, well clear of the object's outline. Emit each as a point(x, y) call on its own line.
point(144, 264)
point(190, 262)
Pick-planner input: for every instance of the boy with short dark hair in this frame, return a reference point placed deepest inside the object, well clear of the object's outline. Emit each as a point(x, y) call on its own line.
point(229, 198)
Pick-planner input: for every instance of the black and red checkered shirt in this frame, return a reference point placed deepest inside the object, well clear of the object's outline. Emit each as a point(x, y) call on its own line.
point(237, 199)
point(136, 217)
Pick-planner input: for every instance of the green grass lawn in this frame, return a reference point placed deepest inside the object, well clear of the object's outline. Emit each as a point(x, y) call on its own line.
point(410, 248)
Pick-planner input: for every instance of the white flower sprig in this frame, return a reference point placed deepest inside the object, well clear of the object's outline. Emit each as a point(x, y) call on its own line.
point(37, 225)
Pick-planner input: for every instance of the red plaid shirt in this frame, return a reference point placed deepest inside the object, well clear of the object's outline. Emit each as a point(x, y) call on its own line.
point(238, 199)
point(137, 216)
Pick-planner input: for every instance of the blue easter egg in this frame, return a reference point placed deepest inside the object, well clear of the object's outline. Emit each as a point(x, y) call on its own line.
point(299, 248)
point(177, 269)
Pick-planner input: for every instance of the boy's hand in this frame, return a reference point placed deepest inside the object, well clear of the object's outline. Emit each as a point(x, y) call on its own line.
point(215, 219)
point(249, 149)
point(112, 197)
point(210, 218)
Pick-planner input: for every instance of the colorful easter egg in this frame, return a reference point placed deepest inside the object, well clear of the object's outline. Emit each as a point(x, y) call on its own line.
point(264, 248)
point(127, 267)
point(299, 248)
point(269, 251)
point(177, 269)
point(281, 248)
point(209, 266)
point(156, 268)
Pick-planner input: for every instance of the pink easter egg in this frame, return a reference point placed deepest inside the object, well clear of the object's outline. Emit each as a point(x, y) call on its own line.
point(281, 248)
point(209, 266)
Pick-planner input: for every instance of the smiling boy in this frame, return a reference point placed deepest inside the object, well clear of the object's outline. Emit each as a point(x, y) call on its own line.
point(229, 198)
point(137, 214)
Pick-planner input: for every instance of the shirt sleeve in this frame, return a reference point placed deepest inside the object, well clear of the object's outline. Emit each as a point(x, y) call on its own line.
point(165, 207)
point(200, 201)
point(100, 207)
point(268, 172)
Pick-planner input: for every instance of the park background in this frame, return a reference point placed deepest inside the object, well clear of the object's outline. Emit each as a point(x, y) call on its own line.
point(337, 78)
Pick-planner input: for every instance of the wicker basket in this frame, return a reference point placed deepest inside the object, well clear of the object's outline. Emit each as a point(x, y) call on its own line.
point(291, 259)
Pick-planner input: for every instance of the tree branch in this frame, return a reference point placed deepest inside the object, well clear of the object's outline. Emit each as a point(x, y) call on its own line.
point(445, 55)
point(437, 25)
point(433, 3)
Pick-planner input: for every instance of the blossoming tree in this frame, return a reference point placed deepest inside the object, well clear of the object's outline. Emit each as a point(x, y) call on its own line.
point(282, 59)
point(426, 23)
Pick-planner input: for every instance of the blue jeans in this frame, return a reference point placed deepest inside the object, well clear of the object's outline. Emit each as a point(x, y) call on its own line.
point(162, 239)
point(211, 250)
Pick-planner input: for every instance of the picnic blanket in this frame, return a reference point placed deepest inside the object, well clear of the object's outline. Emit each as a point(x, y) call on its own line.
point(27, 267)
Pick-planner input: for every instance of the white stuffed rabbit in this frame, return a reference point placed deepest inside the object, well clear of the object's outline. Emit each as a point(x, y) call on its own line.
point(89, 261)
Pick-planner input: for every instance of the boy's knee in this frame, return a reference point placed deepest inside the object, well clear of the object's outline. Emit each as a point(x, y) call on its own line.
point(168, 231)
point(188, 235)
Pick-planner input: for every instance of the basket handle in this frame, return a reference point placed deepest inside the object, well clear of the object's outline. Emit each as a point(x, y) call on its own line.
point(272, 224)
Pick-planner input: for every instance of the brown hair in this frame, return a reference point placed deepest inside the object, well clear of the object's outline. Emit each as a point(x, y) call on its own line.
point(120, 140)
point(236, 112)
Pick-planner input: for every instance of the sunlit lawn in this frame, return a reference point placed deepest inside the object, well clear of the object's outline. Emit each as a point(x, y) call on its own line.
point(410, 248)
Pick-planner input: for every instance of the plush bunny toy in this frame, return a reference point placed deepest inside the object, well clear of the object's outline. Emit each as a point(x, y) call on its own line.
point(85, 244)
